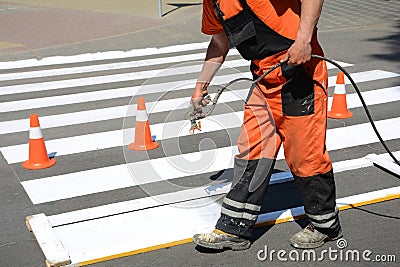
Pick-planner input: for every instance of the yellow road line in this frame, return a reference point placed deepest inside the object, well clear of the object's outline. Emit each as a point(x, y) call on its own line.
point(273, 222)
point(138, 251)
point(344, 207)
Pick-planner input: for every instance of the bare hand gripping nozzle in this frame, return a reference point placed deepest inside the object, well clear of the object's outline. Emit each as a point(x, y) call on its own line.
point(195, 113)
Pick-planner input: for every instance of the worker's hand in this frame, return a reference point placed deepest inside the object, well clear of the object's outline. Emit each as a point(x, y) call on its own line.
point(298, 53)
point(200, 99)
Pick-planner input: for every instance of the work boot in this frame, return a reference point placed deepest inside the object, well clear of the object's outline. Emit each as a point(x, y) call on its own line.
point(310, 237)
point(220, 240)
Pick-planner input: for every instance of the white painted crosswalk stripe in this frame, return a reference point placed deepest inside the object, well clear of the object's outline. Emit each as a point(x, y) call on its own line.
point(116, 138)
point(103, 67)
point(180, 196)
point(109, 94)
point(88, 182)
point(114, 55)
point(111, 113)
point(109, 55)
point(96, 235)
point(373, 97)
point(125, 65)
point(148, 89)
point(112, 78)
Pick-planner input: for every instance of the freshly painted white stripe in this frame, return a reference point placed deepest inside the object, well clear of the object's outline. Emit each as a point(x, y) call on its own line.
point(136, 230)
point(74, 118)
point(336, 138)
point(122, 92)
point(121, 176)
point(113, 235)
point(386, 162)
point(112, 78)
point(141, 115)
point(373, 97)
point(89, 57)
point(180, 196)
point(351, 164)
point(365, 197)
point(117, 138)
point(35, 133)
point(287, 215)
point(110, 94)
point(52, 248)
point(139, 204)
point(143, 172)
point(366, 76)
point(112, 55)
point(113, 66)
point(104, 67)
point(343, 64)
point(362, 134)
point(340, 89)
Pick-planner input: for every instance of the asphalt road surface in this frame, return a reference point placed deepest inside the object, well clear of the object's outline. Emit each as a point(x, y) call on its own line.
point(110, 206)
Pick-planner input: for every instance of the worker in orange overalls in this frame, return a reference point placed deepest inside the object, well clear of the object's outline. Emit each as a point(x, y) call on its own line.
point(287, 107)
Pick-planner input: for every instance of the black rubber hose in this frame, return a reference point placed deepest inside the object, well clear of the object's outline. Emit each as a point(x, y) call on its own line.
point(215, 100)
point(363, 103)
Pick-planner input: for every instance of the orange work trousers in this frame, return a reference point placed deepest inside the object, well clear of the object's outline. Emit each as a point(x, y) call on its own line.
point(289, 111)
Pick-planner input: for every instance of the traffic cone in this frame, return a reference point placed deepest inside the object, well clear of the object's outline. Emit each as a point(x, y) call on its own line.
point(38, 157)
point(339, 102)
point(143, 139)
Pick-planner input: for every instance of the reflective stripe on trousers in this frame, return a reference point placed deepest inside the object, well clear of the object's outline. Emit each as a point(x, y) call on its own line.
point(242, 204)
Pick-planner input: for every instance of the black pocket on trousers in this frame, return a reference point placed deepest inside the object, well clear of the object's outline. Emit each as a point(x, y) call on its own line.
point(297, 92)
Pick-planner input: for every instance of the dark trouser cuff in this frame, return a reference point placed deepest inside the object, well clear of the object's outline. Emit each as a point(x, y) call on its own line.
point(319, 199)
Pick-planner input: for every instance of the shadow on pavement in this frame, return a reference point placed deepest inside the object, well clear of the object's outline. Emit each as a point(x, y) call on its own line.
point(180, 5)
point(392, 41)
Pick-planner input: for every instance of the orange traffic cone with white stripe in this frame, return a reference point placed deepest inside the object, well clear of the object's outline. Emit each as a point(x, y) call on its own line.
point(38, 157)
point(339, 103)
point(143, 139)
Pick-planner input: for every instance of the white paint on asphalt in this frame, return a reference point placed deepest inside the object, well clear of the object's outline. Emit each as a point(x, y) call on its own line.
point(112, 78)
point(366, 76)
point(184, 195)
point(108, 94)
point(348, 202)
point(372, 97)
point(118, 138)
point(143, 90)
point(94, 115)
point(102, 67)
point(121, 176)
point(119, 66)
point(112, 236)
point(113, 55)
point(146, 171)
point(123, 77)
point(108, 55)
point(348, 136)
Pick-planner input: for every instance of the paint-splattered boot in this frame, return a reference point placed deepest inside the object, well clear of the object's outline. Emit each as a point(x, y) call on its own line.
point(220, 240)
point(310, 237)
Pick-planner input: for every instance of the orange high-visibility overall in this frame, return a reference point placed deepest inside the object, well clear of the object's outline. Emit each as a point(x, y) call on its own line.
point(288, 107)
